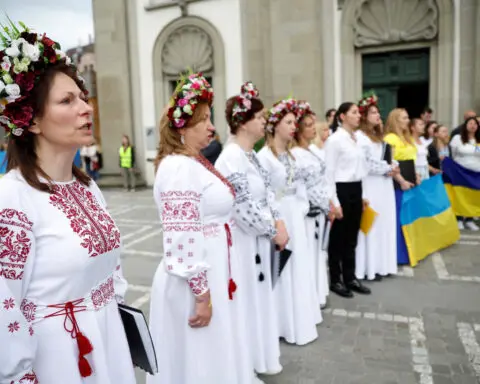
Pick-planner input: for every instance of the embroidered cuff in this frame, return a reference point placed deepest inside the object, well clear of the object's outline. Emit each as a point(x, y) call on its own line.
point(28, 378)
point(199, 283)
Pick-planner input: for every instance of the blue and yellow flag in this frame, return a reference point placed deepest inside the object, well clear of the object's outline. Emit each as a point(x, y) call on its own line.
point(463, 188)
point(427, 219)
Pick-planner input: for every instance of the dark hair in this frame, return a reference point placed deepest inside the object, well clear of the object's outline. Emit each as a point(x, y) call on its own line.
point(375, 133)
point(329, 112)
point(257, 106)
point(21, 152)
point(342, 109)
point(464, 132)
point(412, 123)
point(426, 135)
point(427, 110)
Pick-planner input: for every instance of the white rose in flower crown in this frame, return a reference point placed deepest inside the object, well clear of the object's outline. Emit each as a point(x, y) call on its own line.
point(30, 51)
point(177, 113)
point(12, 51)
point(68, 60)
point(3, 119)
point(17, 131)
point(13, 90)
point(187, 109)
point(60, 53)
point(2, 86)
point(7, 79)
point(6, 64)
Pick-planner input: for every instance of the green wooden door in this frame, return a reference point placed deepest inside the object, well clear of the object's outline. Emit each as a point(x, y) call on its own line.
point(385, 73)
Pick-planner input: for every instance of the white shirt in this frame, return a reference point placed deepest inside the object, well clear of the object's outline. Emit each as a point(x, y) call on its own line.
point(468, 154)
point(345, 160)
point(422, 153)
point(426, 142)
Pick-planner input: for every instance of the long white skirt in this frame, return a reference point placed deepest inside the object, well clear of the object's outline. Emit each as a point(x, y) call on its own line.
point(315, 228)
point(377, 251)
point(261, 321)
point(295, 293)
point(214, 354)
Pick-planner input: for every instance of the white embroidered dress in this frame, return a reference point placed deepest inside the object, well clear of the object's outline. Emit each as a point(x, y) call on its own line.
point(56, 249)
point(376, 252)
point(195, 207)
point(311, 169)
point(295, 293)
point(254, 212)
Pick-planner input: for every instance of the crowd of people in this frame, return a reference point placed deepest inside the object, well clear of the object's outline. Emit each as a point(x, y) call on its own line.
point(253, 244)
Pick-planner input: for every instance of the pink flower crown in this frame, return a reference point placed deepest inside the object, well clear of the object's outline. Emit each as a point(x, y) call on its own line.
point(279, 110)
point(303, 109)
point(243, 102)
point(190, 91)
point(367, 101)
point(24, 58)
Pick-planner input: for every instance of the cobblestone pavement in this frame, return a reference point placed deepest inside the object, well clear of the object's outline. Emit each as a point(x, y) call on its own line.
point(422, 326)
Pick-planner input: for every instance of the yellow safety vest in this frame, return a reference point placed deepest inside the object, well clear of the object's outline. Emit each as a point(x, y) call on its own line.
point(125, 157)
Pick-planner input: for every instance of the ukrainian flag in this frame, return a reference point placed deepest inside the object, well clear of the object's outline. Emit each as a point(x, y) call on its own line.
point(427, 219)
point(463, 188)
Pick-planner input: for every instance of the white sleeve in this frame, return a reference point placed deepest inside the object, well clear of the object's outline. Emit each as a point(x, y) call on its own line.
point(17, 254)
point(180, 192)
point(331, 156)
point(455, 145)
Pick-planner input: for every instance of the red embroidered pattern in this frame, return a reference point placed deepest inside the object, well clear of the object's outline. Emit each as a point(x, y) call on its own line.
point(28, 309)
point(14, 243)
point(199, 283)
point(9, 303)
point(103, 294)
point(181, 211)
point(13, 327)
point(202, 160)
point(29, 378)
point(30, 330)
point(94, 226)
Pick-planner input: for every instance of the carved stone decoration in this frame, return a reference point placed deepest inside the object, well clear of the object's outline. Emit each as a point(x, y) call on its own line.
point(187, 47)
point(378, 22)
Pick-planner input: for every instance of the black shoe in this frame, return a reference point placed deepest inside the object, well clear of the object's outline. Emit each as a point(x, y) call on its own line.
point(358, 287)
point(378, 277)
point(341, 290)
point(326, 305)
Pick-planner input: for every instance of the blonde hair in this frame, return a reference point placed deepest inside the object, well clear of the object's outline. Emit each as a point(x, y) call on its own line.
point(319, 128)
point(170, 138)
point(300, 128)
point(393, 126)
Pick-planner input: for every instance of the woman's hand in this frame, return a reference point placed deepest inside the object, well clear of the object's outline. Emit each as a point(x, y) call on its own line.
point(365, 204)
point(418, 179)
point(339, 212)
point(203, 311)
point(406, 185)
point(281, 238)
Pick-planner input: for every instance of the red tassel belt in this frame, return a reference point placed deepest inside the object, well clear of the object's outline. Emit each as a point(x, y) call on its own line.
point(232, 286)
point(70, 324)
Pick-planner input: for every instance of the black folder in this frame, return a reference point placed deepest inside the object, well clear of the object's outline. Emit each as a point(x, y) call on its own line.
point(139, 339)
point(279, 260)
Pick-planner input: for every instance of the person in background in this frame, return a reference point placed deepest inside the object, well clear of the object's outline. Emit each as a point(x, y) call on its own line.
point(3, 158)
point(466, 152)
point(330, 116)
point(417, 129)
point(427, 136)
point(318, 143)
point(438, 149)
point(126, 155)
point(77, 160)
point(213, 150)
point(466, 115)
point(426, 115)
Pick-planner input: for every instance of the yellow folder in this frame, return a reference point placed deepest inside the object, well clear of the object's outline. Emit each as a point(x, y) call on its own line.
point(368, 217)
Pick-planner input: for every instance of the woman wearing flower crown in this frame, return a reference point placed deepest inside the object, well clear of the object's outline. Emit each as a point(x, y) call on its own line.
point(195, 314)
point(295, 293)
point(258, 223)
point(60, 275)
point(311, 169)
point(376, 252)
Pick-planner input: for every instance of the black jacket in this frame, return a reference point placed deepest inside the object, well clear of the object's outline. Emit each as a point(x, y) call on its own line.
point(433, 157)
point(212, 151)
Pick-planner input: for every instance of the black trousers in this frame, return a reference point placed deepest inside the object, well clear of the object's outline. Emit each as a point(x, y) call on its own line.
point(344, 233)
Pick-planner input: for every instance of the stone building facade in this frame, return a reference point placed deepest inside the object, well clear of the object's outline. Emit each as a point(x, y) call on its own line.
point(414, 53)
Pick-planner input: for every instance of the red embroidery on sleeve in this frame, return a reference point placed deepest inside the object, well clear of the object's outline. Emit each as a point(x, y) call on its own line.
point(181, 212)
point(14, 243)
point(29, 378)
point(103, 294)
point(88, 219)
point(28, 309)
point(13, 327)
point(199, 283)
point(9, 303)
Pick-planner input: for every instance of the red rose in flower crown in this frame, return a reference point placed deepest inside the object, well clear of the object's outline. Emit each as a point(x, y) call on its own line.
point(279, 110)
point(243, 102)
point(24, 56)
point(303, 109)
point(190, 91)
point(368, 99)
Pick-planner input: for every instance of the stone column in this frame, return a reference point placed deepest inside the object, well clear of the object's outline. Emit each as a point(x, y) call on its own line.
point(476, 87)
point(113, 78)
point(328, 37)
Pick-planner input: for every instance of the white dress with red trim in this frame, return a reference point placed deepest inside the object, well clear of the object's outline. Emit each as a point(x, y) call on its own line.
point(60, 280)
point(311, 169)
point(295, 292)
point(195, 205)
point(254, 213)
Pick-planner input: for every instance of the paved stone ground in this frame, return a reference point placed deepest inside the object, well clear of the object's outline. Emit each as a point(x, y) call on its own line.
point(420, 327)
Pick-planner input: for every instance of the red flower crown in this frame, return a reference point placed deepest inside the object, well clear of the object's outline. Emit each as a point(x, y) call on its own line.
point(243, 102)
point(24, 57)
point(366, 102)
point(303, 109)
point(190, 91)
point(279, 110)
